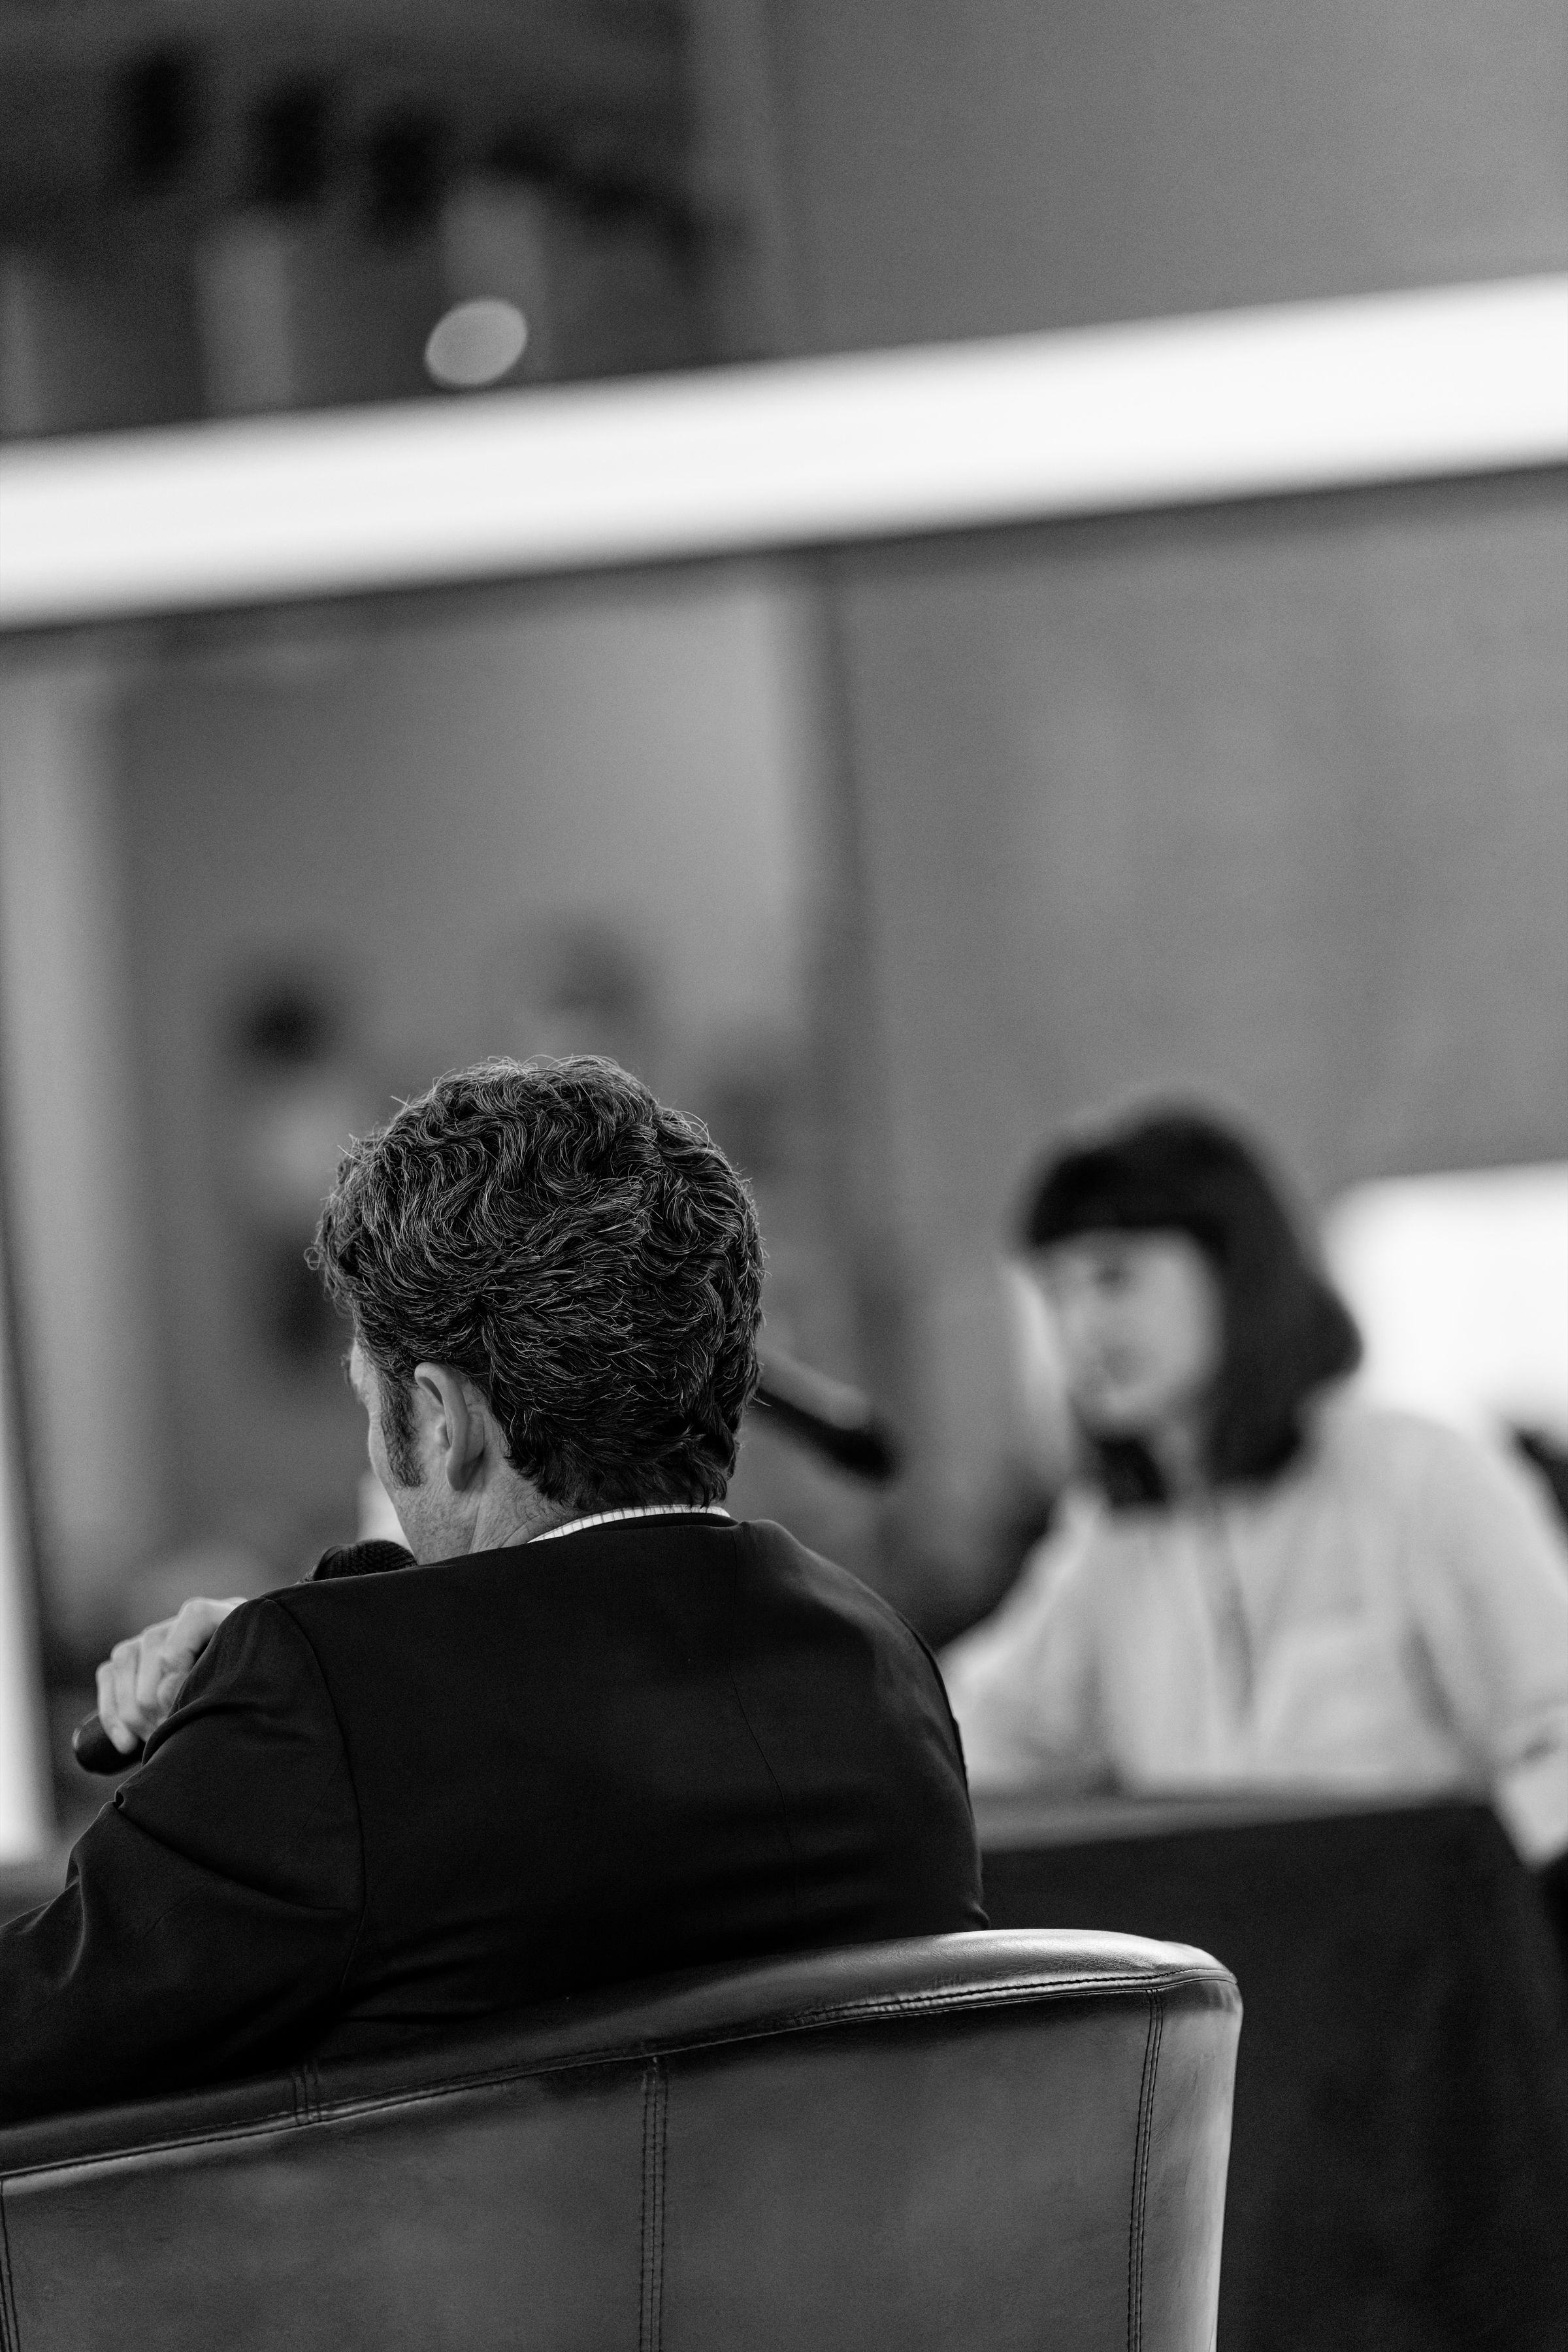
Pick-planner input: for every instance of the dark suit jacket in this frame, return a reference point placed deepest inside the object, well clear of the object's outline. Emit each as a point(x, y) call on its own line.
point(390, 1802)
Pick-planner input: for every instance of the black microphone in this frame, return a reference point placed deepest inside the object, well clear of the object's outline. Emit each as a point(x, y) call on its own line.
point(377, 1558)
point(91, 1745)
point(829, 1418)
point(95, 1751)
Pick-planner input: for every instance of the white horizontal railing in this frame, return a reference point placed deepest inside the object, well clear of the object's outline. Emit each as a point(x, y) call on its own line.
point(1306, 396)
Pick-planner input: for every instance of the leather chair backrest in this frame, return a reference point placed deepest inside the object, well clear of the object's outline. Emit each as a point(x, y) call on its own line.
point(979, 2141)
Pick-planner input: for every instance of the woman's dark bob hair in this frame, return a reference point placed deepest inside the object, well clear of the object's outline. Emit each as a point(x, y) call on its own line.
point(1286, 1333)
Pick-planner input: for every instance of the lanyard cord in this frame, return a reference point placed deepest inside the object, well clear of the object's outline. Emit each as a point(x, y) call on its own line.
point(1233, 1633)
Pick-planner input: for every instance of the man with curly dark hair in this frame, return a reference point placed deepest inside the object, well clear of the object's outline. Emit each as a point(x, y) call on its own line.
point(587, 1728)
point(582, 1257)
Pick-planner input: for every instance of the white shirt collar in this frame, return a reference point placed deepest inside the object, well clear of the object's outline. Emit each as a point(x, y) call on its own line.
point(633, 1511)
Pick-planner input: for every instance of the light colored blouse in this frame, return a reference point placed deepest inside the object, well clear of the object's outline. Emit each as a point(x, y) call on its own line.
point(1390, 1615)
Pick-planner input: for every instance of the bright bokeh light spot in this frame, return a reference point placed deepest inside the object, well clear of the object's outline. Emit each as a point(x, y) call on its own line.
point(1460, 1285)
point(475, 343)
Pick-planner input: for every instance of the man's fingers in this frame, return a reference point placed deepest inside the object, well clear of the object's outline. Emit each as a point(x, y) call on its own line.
point(140, 1682)
point(125, 1661)
point(195, 1623)
point(110, 1711)
point(153, 1659)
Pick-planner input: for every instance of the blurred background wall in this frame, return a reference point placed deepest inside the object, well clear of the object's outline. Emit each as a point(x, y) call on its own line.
point(890, 860)
point(986, 169)
point(264, 886)
point(1270, 802)
point(1268, 806)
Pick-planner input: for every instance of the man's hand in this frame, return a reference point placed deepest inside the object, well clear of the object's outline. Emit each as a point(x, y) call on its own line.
point(139, 1680)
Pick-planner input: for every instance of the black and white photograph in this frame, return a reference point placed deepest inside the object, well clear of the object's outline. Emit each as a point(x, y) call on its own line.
point(783, 1176)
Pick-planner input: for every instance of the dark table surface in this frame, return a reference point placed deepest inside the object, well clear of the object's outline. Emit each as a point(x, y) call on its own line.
point(1399, 2158)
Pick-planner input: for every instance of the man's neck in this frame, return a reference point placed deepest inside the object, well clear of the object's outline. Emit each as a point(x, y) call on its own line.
point(509, 1515)
point(505, 1513)
point(517, 1519)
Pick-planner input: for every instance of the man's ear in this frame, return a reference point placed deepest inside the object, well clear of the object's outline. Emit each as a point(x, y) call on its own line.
point(456, 1416)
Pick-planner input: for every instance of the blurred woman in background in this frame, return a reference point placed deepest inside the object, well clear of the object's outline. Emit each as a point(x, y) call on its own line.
point(1256, 1578)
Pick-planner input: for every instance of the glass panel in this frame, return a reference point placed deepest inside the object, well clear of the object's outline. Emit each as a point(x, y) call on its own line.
point(889, 862)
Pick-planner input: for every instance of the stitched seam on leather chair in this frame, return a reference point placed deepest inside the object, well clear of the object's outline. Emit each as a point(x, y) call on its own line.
point(655, 2113)
point(304, 2082)
point(802, 2021)
point(256, 2127)
point(1141, 2147)
point(10, 2333)
point(973, 1998)
point(895, 2004)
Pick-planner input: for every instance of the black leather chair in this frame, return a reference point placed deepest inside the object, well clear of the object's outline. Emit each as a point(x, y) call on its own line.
point(977, 2141)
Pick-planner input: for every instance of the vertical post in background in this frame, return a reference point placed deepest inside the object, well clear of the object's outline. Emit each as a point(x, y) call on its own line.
point(69, 1126)
point(850, 1056)
point(25, 1807)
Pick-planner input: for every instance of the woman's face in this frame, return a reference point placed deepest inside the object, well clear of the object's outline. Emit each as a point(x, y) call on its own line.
point(1139, 1320)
